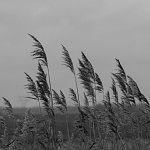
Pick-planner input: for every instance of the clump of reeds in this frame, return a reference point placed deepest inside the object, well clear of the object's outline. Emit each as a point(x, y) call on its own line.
point(104, 122)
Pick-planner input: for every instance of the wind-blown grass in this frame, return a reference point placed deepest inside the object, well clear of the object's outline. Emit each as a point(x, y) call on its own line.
point(117, 121)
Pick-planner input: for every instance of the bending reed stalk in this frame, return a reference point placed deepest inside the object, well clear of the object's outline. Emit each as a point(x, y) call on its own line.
point(67, 124)
point(52, 105)
point(75, 78)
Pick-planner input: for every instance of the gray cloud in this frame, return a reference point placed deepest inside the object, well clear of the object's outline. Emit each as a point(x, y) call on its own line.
point(103, 29)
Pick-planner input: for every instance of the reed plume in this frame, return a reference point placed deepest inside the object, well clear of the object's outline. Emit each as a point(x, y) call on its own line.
point(67, 61)
point(62, 106)
point(8, 108)
point(44, 86)
point(32, 89)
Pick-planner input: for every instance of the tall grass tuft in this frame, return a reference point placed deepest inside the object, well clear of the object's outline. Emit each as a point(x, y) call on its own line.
point(117, 121)
point(67, 61)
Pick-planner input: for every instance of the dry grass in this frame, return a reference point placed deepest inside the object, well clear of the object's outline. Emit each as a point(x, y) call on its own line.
point(121, 123)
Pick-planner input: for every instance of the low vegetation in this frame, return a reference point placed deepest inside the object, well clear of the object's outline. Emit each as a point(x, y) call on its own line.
point(117, 119)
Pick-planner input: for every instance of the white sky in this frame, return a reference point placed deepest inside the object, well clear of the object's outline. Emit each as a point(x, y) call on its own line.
point(103, 29)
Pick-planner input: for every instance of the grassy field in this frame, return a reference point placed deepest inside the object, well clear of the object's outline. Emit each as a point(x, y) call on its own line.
point(121, 121)
point(60, 121)
point(130, 144)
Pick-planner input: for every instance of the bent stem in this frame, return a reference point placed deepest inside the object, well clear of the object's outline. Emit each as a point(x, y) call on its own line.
point(52, 105)
point(67, 123)
point(77, 89)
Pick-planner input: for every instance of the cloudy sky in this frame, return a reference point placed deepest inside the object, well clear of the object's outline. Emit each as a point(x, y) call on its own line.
point(103, 29)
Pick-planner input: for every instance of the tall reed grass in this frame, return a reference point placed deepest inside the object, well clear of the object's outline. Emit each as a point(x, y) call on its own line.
point(119, 120)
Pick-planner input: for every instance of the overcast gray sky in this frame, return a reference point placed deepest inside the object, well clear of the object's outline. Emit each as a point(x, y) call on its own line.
point(103, 29)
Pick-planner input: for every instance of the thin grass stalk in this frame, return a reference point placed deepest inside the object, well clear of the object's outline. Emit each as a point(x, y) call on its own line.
point(105, 130)
point(65, 110)
point(77, 89)
point(40, 106)
point(93, 122)
point(52, 105)
point(87, 107)
point(97, 124)
point(50, 87)
point(64, 105)
point(94, 113)
point(67, 124)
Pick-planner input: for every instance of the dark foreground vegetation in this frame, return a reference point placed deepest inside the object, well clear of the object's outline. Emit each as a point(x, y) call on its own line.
point(117, 119)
